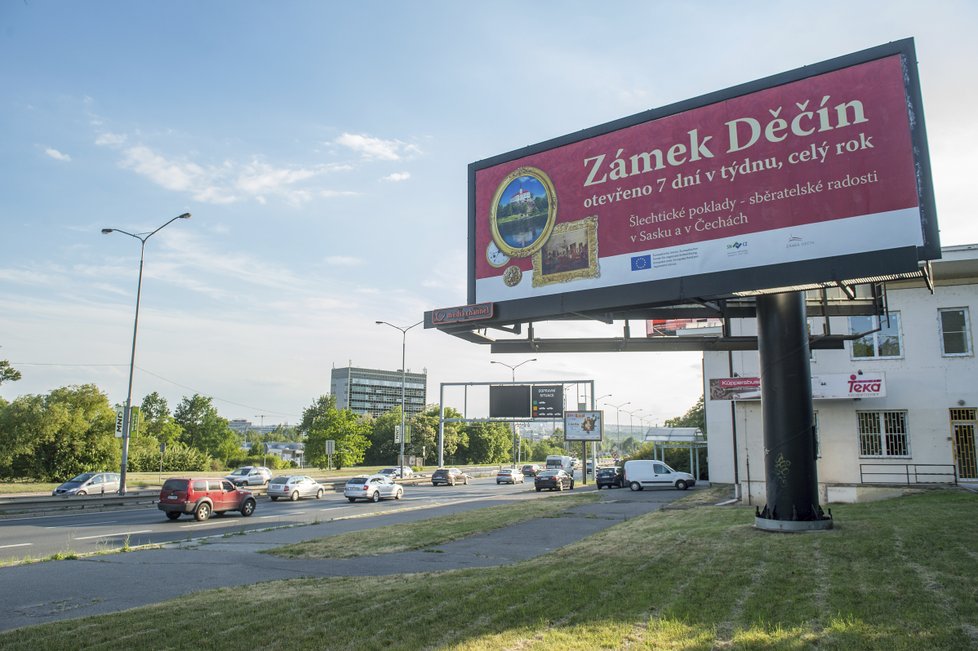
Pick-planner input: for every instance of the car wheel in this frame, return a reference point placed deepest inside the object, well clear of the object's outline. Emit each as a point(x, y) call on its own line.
point(173, 515)
point(352, 499)
point(466, 481)
point(539, 489)
point(274, 498)
point(681, 485)
point(319, 494)
point(202, 512)
point(375, 497)
point(560, 486)
point(294, 496)
point(248, 508)
point(82, 493)
point(635, 486)
point(572, 484)
point(398, 495)
point(498, 483)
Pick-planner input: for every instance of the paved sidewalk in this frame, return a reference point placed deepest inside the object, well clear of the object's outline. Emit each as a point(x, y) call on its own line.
point(58, 590)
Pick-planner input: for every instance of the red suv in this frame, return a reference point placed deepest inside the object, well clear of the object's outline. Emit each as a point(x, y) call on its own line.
point(203, 497)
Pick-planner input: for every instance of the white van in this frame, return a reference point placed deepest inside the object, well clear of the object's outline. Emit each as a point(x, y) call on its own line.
point(561, 462)
point(642, 473)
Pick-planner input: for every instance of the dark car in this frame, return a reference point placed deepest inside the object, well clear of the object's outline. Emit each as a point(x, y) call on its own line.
point(553, 479)
point(202, 497)
point(449, 477)
point(610, 478)
point(531, 469)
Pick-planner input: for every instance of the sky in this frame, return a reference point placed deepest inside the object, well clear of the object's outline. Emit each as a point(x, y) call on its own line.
point(322, 149)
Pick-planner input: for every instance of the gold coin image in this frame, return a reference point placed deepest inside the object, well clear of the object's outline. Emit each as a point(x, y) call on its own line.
point(512, 276)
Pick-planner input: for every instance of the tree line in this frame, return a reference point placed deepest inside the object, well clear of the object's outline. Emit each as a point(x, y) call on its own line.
point(72, 430)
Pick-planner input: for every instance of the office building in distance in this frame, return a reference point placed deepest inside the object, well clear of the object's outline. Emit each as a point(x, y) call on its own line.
point(374, 391)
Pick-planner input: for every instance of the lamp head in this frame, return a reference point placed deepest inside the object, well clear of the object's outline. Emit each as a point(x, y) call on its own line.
point(185, 215)
point(106, 231)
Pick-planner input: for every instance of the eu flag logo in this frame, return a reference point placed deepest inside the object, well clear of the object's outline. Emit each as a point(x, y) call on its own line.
point(640, 262)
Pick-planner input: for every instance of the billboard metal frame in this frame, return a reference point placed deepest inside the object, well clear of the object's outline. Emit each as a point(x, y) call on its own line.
point(712, 294)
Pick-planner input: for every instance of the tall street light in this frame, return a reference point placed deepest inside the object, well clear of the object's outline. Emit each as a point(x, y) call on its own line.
point(132, 358)
point(618, 420)
point(403, 378)
point(517, 448)
point(631, 420)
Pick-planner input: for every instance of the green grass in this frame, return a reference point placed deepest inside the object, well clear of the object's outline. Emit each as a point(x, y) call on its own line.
point(895, 575)
point(428, 533)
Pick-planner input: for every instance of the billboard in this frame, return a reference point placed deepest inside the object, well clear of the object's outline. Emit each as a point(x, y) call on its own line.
point(509, 401)
point(583, 425)
point(814, 175)
point(831, 386)
point(548, 401)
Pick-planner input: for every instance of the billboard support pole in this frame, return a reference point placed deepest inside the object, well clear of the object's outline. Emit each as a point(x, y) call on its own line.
point(789, 417)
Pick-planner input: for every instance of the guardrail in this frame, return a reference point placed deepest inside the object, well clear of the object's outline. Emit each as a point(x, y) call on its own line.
point(908, 473)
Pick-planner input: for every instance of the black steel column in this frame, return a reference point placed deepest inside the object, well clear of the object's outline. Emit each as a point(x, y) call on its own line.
point(789, 416)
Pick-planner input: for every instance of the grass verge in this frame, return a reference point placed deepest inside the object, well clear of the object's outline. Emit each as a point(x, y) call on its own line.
point(436, 531)
point(894, 575)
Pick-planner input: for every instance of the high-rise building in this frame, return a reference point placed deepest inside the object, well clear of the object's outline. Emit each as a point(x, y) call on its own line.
point(374, 391)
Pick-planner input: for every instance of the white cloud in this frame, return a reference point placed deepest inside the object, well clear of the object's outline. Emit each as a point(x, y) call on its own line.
point(57, 155)
point(107, 139)
point(377, 148)
point(397, 177)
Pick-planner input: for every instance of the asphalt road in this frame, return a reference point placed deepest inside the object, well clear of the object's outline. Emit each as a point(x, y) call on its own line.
point(36, 593)
point(80, 532)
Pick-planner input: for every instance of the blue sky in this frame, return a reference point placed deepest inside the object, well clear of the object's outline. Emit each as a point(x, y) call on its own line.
point(322, 148)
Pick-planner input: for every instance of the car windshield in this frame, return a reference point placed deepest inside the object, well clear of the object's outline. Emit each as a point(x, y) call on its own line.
point(281, 480)
point(85, 476)
point(242, 471)
point(548, 473)
point(358, 480)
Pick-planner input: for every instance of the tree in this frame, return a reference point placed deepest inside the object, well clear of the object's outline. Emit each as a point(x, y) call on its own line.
point(204, 429)
point(322, 422)
point(7, 372)
point(57, 436)
point(157, 421)
point(694, 417)
point(488, 443)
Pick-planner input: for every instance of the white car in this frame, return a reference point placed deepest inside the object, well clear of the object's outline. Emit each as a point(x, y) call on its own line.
point(294, 487)
point(509, 476)
point(395, 472)
point(373, 488)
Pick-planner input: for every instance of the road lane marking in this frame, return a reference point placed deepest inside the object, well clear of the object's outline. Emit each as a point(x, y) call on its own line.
point(110, 535)
point(87, 524)
point(17, 545)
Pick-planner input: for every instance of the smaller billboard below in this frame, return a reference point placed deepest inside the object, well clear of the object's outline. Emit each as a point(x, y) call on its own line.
point(832, 386)
point(548, 401)
point(509, 401)
point(583, 425)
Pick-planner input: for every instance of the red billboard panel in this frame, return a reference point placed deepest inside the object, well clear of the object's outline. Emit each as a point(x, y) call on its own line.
point(826, 163)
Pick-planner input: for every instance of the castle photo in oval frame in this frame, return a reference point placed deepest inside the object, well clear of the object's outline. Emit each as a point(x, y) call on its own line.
point(523, 212)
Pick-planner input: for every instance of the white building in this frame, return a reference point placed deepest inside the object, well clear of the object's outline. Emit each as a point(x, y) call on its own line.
point(896, 406)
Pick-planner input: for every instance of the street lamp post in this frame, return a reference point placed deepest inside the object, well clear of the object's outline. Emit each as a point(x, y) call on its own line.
point(618, 420)
point(517, 448)
point(403, 378)
point(132, 358)
point(631, 420)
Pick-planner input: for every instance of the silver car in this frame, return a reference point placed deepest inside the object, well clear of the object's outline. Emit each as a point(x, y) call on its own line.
point(250, 476)
point(89, 483)
point(294, 487)
point(373, 488)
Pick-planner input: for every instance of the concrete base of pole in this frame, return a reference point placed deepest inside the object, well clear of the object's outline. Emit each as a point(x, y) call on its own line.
point(792, 526)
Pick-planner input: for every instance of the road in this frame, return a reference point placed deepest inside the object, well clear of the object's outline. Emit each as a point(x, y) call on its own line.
point(80, 532)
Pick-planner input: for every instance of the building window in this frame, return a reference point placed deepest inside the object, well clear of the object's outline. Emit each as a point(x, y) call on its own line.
point(883, 340)
point(883, 434)
point(955, 332)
